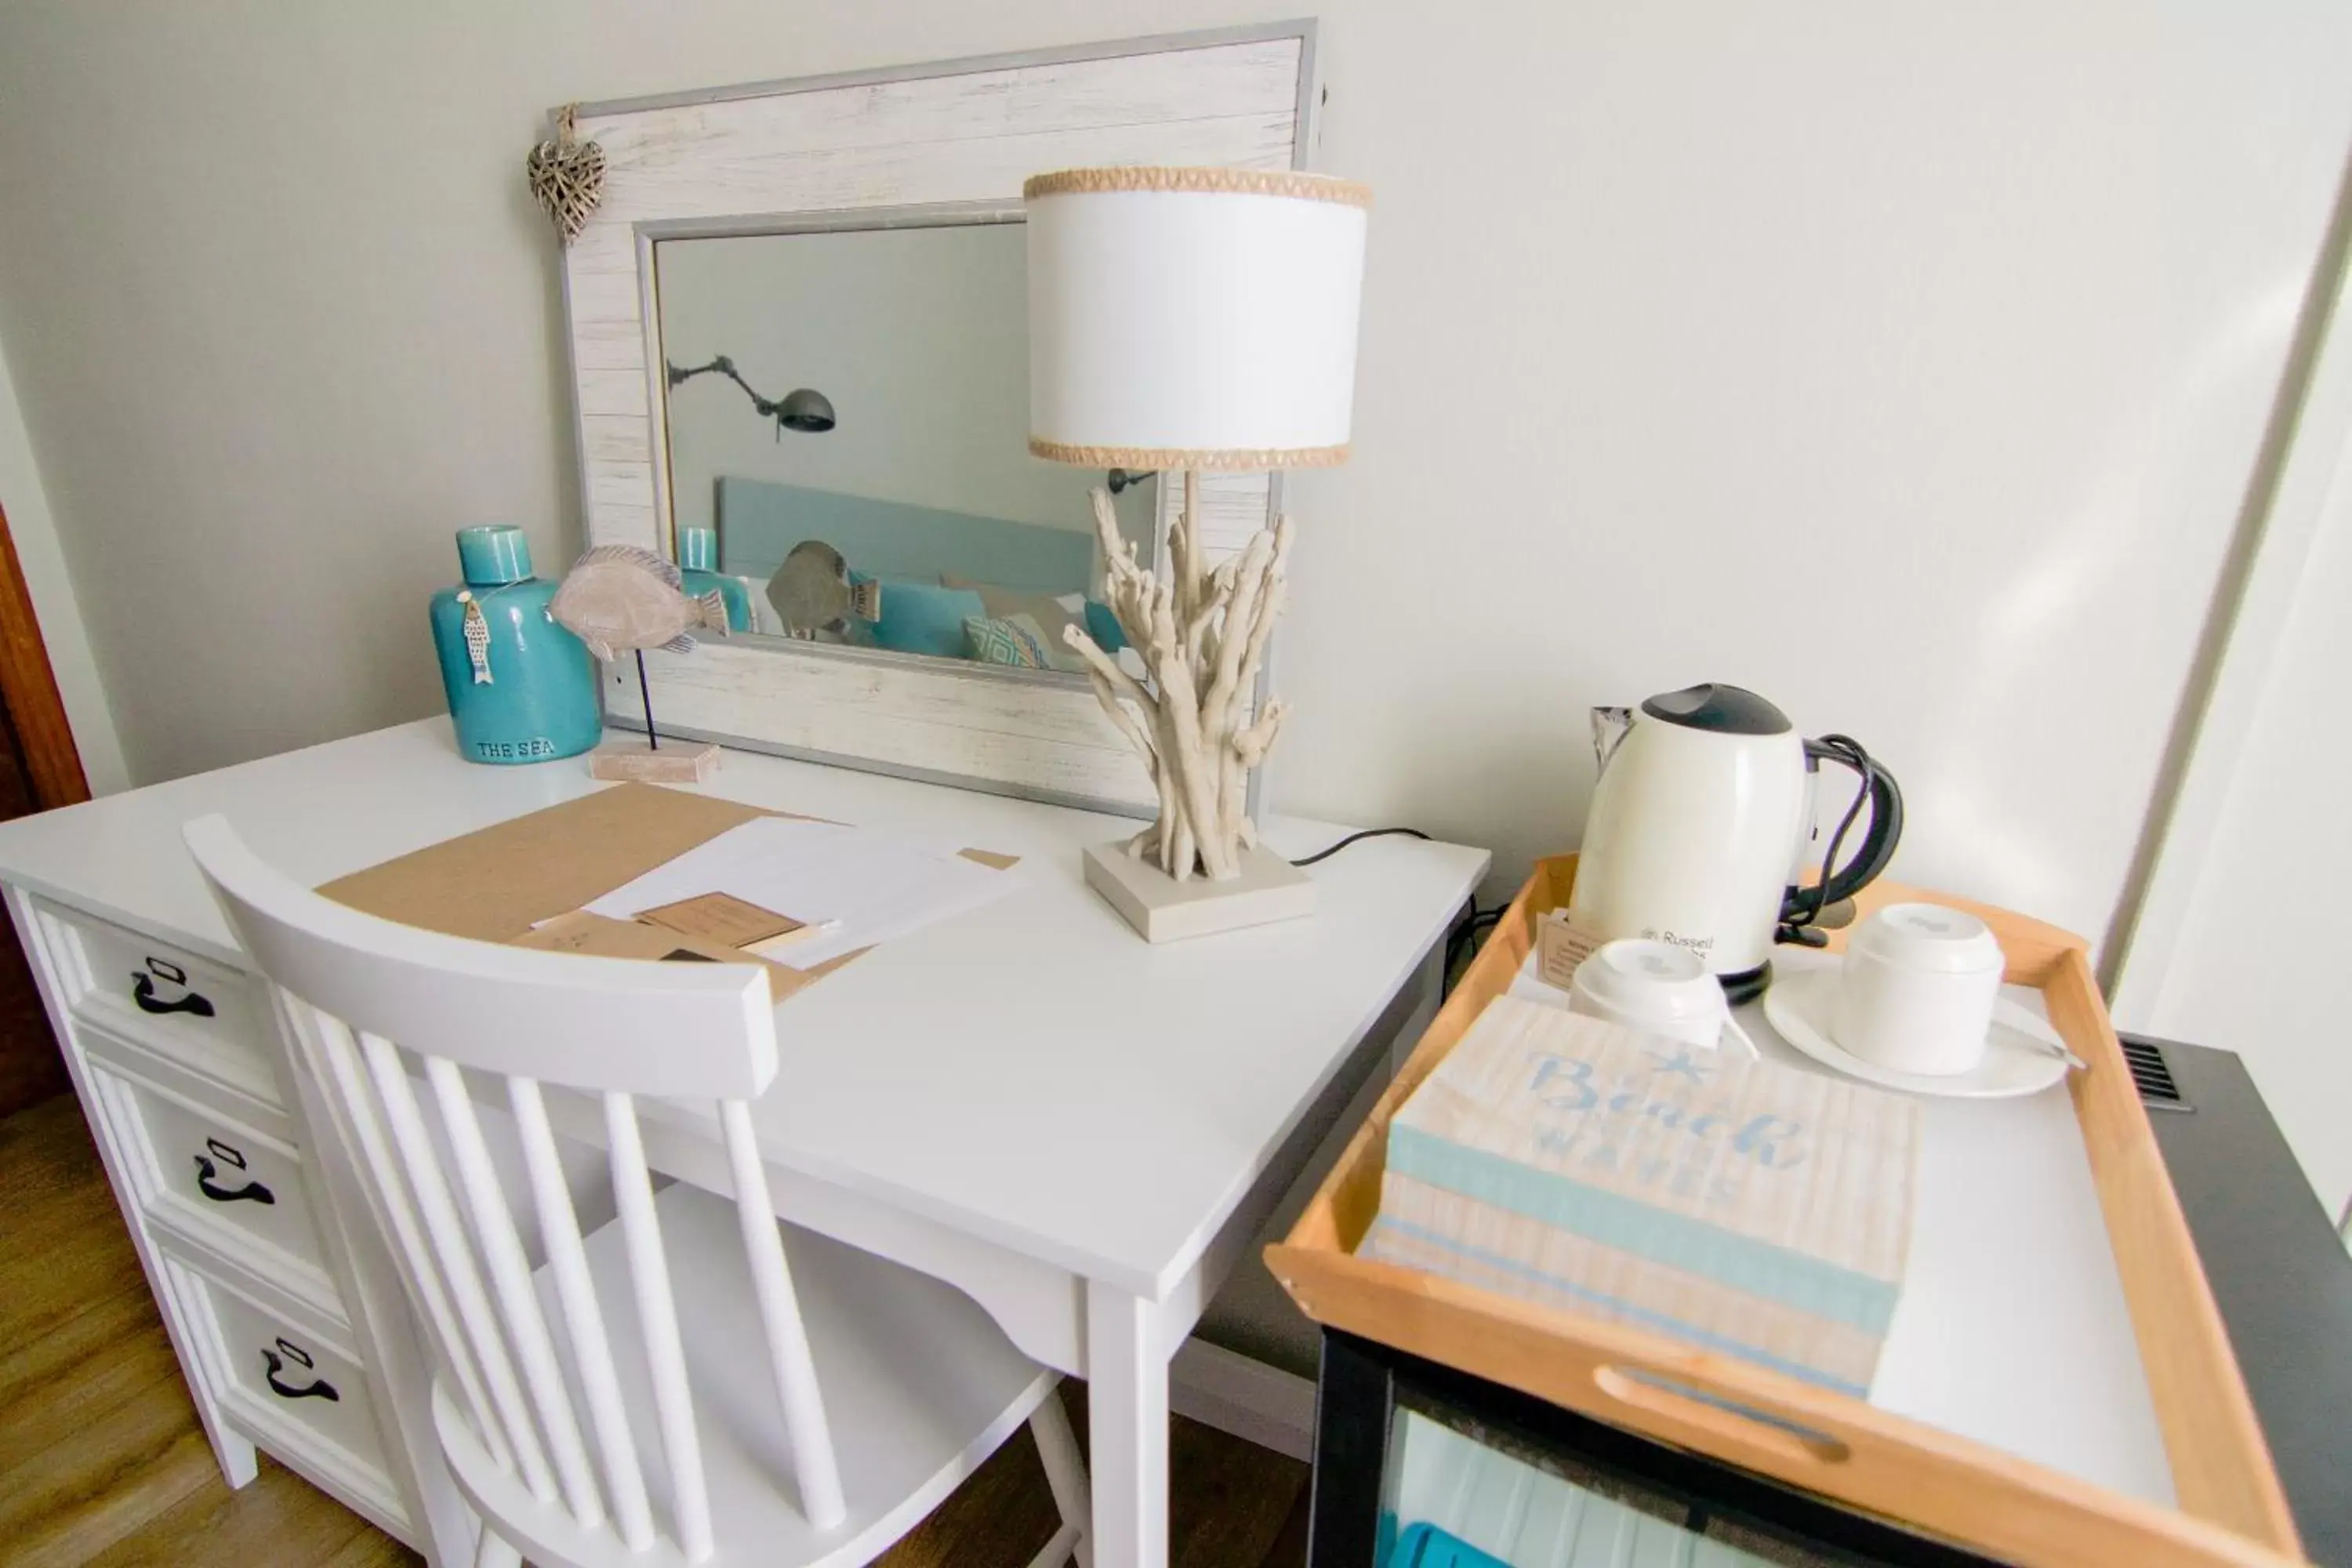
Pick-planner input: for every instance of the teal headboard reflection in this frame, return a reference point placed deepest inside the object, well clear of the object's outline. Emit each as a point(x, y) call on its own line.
point(761, 521)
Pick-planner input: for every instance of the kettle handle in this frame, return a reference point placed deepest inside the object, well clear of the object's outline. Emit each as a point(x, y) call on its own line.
point(1803, 905)
point(1611, 726)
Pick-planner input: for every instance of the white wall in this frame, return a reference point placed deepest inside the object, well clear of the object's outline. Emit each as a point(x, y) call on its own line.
point(2246, 969)
point(1903, 360)
point(920, 337)
point(2244, 887)
point(33, 528)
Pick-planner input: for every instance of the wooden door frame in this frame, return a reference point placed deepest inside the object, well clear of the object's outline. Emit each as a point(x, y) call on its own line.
point(28, 687)
point(32, 1066)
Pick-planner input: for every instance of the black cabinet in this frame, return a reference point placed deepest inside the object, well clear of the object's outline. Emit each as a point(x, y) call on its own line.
point(1413, 1458)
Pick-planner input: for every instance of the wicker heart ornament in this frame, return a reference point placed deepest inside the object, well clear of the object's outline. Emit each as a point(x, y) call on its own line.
point(567, 177)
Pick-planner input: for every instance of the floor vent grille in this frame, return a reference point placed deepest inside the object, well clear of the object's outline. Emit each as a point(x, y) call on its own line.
point(2157, 1091)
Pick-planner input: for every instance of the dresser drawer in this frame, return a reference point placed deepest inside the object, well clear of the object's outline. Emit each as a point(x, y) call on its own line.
point(199, 1169)
point(296, 1375)
point(290, 1382)
point(214, 1017)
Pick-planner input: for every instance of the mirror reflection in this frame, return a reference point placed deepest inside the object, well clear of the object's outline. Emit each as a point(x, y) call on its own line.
point(847, 419)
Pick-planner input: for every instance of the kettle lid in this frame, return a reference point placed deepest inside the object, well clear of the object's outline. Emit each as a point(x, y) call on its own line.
point(1725, 709)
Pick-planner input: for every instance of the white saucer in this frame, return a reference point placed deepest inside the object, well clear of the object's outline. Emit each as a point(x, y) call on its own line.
point(2015, 1062)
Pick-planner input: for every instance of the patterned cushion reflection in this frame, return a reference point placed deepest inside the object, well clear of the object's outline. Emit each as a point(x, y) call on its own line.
point(1013, 640)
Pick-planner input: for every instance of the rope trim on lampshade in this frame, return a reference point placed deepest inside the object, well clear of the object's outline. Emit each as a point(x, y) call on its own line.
point(1290, 182)
point(1239, 460)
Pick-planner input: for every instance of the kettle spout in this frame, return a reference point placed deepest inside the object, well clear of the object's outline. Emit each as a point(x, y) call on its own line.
point(1610, 727)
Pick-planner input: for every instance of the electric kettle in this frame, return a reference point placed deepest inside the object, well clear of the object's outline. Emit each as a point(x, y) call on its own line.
point(1701, 823)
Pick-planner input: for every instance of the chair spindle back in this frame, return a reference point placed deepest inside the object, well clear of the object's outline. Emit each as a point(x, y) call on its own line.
point(359, 1000)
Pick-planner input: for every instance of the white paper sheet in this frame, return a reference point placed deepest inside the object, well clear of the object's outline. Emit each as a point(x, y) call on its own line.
point(876, 884)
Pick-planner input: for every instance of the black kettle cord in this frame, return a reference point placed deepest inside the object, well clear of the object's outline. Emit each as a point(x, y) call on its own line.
point(1464, 931)
point(1330, 850)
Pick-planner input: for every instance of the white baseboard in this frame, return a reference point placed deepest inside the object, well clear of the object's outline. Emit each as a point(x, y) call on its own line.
point(1245, 1398)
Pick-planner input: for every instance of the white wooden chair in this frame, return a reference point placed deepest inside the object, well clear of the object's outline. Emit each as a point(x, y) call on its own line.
point(808, 1414)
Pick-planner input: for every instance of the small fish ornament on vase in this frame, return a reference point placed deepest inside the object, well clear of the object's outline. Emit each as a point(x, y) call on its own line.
point(619, 598)
point(478, 636)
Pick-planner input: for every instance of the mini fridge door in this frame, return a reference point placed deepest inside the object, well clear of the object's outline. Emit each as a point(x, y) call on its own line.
point(1417, 1465)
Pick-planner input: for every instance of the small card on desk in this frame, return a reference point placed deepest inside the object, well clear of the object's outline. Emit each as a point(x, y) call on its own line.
point(724, 918)
point(594, 936)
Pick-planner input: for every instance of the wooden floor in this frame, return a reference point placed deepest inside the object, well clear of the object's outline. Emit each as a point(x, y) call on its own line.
point(101, 1460)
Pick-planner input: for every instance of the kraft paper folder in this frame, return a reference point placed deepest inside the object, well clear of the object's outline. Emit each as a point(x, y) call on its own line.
point(505, 882)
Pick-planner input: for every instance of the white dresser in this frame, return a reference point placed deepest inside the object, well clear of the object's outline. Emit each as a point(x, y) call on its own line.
point(1232, 1067)
point(174, 1055)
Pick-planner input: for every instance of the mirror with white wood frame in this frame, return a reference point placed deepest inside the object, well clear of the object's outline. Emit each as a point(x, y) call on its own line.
point(797, 323)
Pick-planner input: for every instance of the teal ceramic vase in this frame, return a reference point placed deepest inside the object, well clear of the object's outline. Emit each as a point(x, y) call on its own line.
point(698, 564)
point(521, 688)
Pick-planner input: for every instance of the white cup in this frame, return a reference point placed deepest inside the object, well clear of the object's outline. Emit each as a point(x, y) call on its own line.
point(1658, 988)
point(1918, 989)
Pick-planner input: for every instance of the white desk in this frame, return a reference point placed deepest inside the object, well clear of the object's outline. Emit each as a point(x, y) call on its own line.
point(1082, 1131)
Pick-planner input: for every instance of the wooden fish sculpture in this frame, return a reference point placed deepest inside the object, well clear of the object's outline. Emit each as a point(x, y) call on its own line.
point(618, 596)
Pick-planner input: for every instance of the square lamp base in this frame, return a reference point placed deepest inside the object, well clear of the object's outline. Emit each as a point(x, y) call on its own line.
point(1165, 910)
point(680, 761)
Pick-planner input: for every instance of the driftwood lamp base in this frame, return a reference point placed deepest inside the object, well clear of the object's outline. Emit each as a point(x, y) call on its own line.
point(1163, 909)
point(680, 761)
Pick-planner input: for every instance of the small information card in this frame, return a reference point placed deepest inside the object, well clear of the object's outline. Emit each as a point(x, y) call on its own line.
point(1560, 946)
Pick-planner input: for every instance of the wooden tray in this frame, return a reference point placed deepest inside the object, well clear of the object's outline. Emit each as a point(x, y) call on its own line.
point(2233, 1509)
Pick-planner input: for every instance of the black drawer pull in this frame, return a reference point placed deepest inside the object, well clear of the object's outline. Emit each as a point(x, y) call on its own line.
point(142, 990)
point(252, 1191)
point(318, 1387)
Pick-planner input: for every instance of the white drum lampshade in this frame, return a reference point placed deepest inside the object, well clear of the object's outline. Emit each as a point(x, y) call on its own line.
point(1193, 319)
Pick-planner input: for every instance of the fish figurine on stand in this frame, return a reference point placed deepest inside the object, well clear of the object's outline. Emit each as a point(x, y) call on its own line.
point(617, 598)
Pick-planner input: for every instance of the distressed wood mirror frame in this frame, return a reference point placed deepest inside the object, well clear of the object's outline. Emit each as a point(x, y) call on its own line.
point(867, 150)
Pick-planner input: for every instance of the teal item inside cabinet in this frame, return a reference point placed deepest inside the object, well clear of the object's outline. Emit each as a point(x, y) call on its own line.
point(1426, 1546)
point(1423, 1465)
point(521, 688)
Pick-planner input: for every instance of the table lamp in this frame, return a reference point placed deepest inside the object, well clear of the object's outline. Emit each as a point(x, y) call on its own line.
point(1197, 321)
